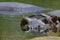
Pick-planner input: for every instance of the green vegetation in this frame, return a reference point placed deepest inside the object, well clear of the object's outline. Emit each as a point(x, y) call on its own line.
point(10, 26)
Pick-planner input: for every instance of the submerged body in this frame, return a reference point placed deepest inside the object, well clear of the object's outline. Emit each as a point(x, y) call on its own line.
point(36, 24)
point(40, 23)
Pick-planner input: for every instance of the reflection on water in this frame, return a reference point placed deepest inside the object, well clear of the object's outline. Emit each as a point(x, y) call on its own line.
point(18, 8)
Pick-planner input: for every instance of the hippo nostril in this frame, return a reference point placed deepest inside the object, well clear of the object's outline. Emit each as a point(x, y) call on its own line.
point(31, 28)
point(27, 28)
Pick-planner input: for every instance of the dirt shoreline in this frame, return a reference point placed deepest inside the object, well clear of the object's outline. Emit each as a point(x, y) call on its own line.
point(46, 38)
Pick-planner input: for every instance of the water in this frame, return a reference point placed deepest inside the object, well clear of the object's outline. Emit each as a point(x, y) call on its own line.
point(13, 8)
